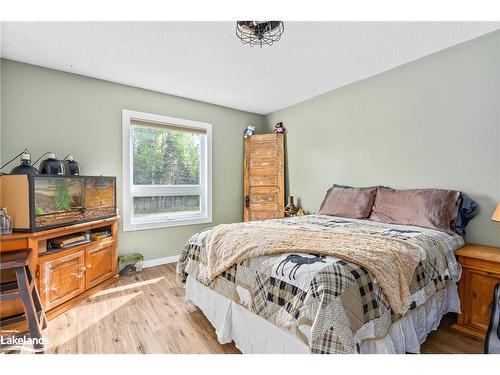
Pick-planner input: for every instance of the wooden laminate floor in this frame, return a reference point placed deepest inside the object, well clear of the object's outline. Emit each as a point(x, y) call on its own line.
point(146, 313)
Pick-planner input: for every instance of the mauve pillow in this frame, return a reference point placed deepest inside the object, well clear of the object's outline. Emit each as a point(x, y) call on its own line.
point(354, 203)
point(428, 208)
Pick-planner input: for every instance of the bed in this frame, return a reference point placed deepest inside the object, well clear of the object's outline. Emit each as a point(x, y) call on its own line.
point(300, 302)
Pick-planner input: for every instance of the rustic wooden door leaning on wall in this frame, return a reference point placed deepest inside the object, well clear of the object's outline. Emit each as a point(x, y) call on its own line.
point(263, 177)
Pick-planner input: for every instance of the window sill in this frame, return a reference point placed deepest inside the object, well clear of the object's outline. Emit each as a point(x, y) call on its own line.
point(165, 223)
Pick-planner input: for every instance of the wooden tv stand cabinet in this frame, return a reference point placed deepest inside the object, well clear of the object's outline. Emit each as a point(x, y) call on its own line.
point(64, 277)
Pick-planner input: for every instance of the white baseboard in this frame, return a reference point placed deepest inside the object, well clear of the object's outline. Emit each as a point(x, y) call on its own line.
point(160, 261)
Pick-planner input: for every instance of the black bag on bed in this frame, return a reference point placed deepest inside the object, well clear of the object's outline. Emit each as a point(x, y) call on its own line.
point(492, 342)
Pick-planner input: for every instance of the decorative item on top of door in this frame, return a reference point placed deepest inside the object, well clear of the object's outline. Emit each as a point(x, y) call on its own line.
point(264, 177)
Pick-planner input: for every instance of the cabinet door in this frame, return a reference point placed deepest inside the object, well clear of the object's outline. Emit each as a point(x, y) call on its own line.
point(100, 263)
point(264, 177)
point(481, 297)
point(62, 278)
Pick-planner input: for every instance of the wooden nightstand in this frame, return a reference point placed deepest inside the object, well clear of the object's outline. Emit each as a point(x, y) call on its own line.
point(481, 272)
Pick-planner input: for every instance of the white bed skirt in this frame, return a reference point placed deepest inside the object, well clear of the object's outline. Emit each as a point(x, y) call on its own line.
point(253, 334)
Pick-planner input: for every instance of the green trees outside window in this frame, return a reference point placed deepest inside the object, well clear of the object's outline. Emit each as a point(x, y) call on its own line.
point(163, 156)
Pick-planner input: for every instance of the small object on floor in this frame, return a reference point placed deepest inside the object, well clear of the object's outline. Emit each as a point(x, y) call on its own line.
point(128, 267)
point(130, 262)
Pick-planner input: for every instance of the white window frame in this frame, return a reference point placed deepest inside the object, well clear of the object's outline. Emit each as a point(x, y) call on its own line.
point(130, 191)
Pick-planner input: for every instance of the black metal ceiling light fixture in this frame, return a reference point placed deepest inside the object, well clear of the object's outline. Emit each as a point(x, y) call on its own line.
point(259, 33)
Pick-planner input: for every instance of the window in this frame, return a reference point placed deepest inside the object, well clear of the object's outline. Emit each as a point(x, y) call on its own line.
point(166, 171)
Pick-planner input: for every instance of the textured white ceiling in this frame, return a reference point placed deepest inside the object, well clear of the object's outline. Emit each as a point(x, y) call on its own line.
point(205, 61)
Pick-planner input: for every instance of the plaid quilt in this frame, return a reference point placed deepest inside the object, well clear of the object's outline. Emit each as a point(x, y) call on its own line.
point(330, 304)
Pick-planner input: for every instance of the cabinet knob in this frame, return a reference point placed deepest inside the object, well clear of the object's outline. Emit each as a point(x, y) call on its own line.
point(81, 272)
point(89, 266)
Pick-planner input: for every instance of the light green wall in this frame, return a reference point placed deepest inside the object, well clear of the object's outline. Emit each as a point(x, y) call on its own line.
point(434, 122)
point(48, 110)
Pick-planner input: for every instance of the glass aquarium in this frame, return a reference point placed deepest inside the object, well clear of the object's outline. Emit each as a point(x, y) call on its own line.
point(57, 195)
point(59, 201)
point(99, 192)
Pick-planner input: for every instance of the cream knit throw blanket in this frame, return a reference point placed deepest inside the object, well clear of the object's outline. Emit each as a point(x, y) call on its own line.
point(391, 261)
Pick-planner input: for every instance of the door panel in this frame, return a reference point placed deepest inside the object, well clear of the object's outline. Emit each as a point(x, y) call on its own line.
point(62, 278)
point(263, 198)
point(263, 172)
point(262, 163)
point(481, 294)
point(264, 207)
point(100, 263)
point(263, 178)
point(266, 146)
point(265, 153)
point(263, 215)
point(270, 181)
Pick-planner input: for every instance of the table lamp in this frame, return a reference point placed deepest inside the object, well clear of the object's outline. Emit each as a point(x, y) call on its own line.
point(496, 214)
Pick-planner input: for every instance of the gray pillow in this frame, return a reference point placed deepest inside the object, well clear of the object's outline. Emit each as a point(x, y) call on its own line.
point(428, 208)
point(354, 203)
